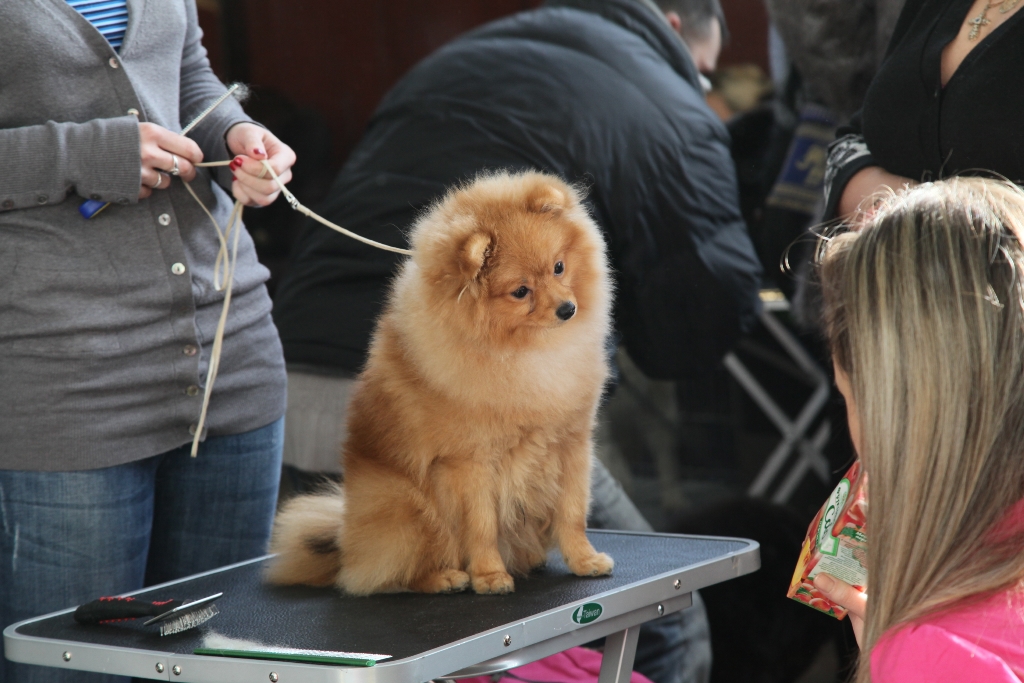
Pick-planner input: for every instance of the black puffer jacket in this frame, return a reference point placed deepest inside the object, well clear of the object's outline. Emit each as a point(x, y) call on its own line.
point(596, 91)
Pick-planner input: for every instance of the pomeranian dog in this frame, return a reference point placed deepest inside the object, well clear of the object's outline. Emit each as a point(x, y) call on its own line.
point(469, 448)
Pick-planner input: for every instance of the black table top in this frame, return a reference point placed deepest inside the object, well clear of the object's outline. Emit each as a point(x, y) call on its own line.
point(400, 625)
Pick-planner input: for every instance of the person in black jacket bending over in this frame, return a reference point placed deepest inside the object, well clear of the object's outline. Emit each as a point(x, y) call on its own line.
point(604, 92)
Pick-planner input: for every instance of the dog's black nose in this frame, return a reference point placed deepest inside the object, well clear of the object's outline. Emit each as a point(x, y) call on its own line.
point(566, 310)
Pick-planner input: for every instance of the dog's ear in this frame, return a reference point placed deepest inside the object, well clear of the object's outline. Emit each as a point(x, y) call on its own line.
point(548, 198)
point(473, 254)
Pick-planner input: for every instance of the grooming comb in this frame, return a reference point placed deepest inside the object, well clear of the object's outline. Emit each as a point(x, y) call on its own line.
point(174, 616)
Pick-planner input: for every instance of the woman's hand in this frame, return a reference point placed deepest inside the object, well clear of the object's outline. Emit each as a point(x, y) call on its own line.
point(251, 144)
point(845, 595)
point(160, 148)
point(857, 203)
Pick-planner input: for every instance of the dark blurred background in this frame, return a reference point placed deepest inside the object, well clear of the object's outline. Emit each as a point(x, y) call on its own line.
point(318, 69)
point(339, 57)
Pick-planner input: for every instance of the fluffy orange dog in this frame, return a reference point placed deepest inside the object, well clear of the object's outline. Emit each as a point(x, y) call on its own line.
point(469, 445)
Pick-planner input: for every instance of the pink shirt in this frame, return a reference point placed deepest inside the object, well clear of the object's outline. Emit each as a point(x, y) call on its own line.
point(575, 665)
point(979, 643)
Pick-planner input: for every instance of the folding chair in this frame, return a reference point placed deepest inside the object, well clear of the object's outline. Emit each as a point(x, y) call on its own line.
point(794, 431)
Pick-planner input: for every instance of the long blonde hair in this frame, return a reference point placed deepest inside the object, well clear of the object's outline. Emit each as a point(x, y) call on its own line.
point(924, 309)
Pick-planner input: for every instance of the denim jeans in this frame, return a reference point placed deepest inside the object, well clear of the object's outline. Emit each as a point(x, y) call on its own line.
point(70, 537)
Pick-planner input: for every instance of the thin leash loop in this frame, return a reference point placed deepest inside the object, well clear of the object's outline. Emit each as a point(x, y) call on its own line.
point(219, 263)
point(298, 206)
point(225, 263)
point(224, 271)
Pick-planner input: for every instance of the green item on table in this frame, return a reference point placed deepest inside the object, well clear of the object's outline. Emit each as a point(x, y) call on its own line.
point(287, 654)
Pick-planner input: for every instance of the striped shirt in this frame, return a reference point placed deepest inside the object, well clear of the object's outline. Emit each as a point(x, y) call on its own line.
point(110, 17)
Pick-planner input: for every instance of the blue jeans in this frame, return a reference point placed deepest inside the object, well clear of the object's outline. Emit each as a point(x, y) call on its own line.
point(70, 537)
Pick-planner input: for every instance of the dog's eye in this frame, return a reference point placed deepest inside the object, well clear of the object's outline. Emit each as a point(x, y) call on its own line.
point(559, 268)
point(521, 292)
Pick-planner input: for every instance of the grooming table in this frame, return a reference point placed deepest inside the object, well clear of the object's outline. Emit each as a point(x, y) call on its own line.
point(427, 636)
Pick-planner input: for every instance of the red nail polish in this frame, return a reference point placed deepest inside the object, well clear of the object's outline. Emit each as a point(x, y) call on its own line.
point(258, 150)
point(233, 177)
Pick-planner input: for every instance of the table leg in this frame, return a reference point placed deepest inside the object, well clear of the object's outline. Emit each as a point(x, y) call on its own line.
point(619, 651)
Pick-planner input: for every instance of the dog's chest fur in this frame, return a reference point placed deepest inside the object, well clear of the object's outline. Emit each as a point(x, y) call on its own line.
point(527, 477)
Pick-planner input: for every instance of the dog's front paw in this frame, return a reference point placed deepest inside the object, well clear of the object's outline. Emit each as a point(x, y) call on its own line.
point(598, 564)
point(445, 581)
point(494, 582)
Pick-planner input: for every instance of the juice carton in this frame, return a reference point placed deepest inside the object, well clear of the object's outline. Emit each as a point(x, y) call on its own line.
point(835, 544)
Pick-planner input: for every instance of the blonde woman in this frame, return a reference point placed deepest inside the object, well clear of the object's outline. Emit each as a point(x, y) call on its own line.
point(925, 314)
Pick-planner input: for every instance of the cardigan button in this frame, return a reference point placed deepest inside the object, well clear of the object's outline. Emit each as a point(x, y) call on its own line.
point(42, 199)
point(8, 204)
point(113, 63)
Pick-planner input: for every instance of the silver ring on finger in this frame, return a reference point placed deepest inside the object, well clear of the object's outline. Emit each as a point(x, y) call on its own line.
point(160, 175)
point(175, 170)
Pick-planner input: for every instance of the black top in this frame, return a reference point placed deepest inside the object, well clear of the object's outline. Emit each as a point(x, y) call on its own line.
point(916, 128)
point(596, 91)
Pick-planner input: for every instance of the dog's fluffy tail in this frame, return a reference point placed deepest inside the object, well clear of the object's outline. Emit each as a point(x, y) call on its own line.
point(306, 539)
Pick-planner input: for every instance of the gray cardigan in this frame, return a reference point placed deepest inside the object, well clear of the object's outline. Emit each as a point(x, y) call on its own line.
point(103, 344)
